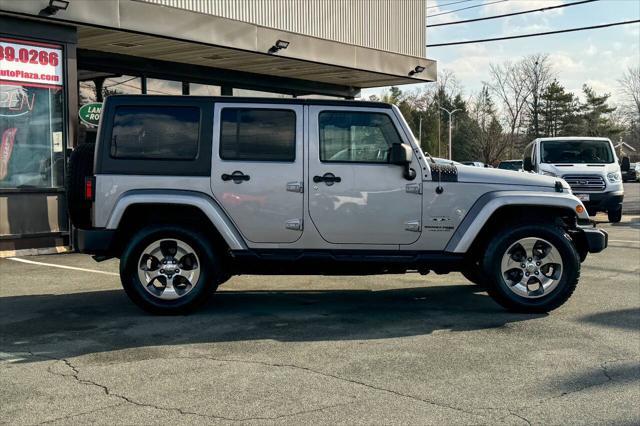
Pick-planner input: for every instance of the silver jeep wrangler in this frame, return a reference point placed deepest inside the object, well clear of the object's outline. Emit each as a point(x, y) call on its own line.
point(189, 191)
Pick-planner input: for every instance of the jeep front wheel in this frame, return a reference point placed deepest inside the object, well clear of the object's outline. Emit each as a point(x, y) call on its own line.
point(169, 269)
point(531, 268)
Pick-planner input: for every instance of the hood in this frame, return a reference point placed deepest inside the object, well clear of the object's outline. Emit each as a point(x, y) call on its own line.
point(580, 169)
point(505, 177)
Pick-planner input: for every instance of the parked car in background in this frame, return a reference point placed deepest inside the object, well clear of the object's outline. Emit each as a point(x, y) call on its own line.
point(631, 175)
point(474, 163)
point(588, 164)
point(515, 165)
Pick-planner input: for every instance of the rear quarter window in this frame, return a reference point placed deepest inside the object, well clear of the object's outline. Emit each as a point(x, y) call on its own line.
point(155, 132)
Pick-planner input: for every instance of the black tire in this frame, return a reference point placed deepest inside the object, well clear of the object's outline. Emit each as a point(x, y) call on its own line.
point(615, 215)
point(500, 290)
point(474, 273)
point(211, 272)
point(79, 166)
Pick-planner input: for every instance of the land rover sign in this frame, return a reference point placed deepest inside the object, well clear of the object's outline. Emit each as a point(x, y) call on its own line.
point(90, 113)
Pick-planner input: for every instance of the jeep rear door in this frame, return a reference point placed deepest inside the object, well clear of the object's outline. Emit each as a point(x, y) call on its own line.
point(355, 195)
point(257, 169)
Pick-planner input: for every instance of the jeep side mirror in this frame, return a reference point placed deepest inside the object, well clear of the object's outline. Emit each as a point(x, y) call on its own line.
point(527, 165)
point(401, 154)
point(625, 165)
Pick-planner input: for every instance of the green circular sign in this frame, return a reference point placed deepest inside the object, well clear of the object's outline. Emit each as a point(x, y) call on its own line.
point(90, 113)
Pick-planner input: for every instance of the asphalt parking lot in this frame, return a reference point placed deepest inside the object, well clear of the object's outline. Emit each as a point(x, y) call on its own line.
point(295, 350)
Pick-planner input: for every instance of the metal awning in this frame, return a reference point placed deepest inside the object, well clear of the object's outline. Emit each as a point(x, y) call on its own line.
point(225, 58)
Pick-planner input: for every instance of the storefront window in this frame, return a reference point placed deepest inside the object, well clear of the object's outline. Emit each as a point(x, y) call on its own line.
point(32, 138)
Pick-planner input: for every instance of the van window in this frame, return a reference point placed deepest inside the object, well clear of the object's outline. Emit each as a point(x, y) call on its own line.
point(356, 137)
point(251, 134)
point(155, 132)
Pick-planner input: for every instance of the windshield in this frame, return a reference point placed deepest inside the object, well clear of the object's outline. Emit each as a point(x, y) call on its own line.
point(576, 151)
point(510, 165)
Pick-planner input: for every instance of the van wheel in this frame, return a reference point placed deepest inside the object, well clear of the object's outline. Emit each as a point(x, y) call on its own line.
point(615, 215)
point(531, 268)
point(168, 269)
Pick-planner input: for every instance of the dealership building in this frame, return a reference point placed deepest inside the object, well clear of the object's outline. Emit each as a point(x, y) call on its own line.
point(59, 59)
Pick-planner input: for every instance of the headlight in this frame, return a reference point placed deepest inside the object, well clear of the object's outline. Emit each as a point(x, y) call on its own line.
point(613, 177)
point(549, 174)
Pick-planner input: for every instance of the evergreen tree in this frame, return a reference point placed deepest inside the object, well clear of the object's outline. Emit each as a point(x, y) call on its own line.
point(596, 119)
point(558, 110)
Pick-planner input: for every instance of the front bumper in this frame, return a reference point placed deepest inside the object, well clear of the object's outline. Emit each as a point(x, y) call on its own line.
point(603, 201)
point(595, 239)
point(97, 241)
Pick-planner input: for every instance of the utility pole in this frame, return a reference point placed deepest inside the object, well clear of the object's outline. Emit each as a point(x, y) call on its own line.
point(450, 116)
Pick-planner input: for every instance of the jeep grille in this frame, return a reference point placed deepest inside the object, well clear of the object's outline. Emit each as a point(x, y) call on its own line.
point(585, 182)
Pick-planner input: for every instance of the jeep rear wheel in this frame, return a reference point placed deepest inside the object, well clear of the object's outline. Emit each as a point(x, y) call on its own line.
point(169, 269)
point(531, 268)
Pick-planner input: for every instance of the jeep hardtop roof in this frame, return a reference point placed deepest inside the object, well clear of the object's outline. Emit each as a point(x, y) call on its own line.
point(254, 100)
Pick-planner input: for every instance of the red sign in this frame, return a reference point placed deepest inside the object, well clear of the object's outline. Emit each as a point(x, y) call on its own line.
point(31, 64)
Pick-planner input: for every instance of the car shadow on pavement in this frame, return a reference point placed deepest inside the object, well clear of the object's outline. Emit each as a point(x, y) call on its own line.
point(627, 319)
point(82, 323)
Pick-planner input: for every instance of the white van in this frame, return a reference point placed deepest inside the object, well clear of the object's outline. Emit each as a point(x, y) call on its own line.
point(588, 164)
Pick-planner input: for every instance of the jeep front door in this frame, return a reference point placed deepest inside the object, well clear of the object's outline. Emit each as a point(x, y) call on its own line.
point(257, 169)
point(356, 196)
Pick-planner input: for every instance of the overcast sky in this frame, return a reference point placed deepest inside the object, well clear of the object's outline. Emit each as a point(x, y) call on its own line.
point(596, 57)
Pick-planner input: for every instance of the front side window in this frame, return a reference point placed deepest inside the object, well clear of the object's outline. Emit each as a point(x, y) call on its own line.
point(576, 151)
point(249, 134)
point(155, 132)
point(356, 137)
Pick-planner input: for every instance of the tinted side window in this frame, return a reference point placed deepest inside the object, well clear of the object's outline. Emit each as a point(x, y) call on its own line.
point(356, 137)
point(155, 132)
point(248, 134)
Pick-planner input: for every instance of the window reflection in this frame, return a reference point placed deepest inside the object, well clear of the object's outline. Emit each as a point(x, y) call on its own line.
point(31, 136)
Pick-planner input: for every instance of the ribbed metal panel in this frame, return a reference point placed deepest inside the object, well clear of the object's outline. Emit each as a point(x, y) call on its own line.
point(390, 25)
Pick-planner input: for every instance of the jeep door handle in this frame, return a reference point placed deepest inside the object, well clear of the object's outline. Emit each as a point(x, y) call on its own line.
point(236, 177)
point(328, 178)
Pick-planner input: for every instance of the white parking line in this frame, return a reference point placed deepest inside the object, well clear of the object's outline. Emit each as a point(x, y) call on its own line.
point(33, 262)
point(624, 241)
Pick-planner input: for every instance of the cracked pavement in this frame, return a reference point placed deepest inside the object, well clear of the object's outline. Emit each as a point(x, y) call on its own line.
point(325, 350)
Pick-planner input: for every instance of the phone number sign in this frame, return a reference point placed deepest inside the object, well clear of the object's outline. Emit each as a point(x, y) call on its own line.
point(32, 64)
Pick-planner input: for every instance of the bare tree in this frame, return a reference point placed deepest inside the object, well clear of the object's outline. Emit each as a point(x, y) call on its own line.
point(490, 140)
point(538, 75)
point(630, 89)
point(508, 83)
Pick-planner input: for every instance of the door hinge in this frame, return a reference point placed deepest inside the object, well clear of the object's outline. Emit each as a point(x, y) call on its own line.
point(414, 188)
point(295, 186)
point(413, 226)
point(294, 224)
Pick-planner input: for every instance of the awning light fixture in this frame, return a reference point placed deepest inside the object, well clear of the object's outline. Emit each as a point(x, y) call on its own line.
point(54, 7)
point(417, 70)
point(280, 44)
